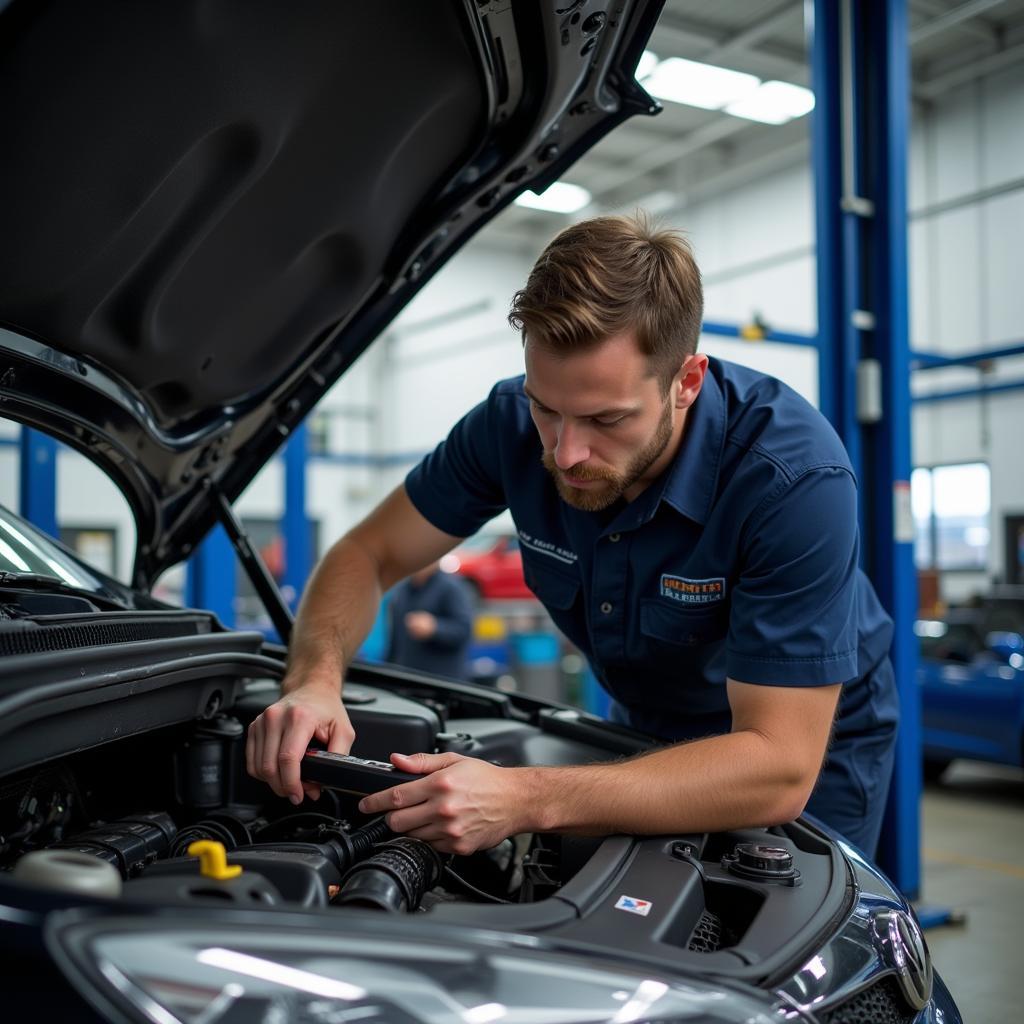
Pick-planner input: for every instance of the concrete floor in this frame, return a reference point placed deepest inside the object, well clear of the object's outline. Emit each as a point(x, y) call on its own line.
point(973, 861)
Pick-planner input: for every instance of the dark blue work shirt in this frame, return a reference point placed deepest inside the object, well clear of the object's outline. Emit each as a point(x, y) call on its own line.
point(740, 561)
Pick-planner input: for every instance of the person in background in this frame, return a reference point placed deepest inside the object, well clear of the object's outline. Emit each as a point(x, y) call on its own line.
point(431, 623)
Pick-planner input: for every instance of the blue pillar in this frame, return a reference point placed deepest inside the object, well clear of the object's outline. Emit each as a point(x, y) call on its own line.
point(38, 480)
point(837, 229)
point(210, 576)
point(860, 64)
point(892, 528)
point(298, 554)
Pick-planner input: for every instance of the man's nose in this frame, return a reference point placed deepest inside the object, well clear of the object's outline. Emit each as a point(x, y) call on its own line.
point(571, 448)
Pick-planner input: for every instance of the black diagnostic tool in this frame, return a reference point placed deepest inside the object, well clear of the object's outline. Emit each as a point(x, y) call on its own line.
point(351, 774)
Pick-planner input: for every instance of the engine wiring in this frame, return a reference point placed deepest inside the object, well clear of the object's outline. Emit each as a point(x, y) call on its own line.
point(469, 887)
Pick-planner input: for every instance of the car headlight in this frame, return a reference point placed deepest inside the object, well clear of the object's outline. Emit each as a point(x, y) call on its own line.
point(878, 956)
point(184, 971)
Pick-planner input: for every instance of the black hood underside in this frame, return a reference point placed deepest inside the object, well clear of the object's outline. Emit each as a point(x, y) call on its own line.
point(191, 178)
point(210, 208)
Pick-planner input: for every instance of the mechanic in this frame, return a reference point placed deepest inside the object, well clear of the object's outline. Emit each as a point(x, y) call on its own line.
point(431, 623)
point(691, 525)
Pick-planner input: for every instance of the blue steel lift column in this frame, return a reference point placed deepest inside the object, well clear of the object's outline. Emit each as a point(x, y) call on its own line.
point(210, 576)
point(298, 553)
point(860, 66)
point(37, 467)
point(211, 572)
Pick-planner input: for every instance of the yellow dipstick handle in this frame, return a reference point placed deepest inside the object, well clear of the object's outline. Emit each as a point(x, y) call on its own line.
point(213, 860)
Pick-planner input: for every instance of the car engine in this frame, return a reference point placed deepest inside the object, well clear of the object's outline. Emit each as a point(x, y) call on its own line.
point(140, 804)
point(123, 788)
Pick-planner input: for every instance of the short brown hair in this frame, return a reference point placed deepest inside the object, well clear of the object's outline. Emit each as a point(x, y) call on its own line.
point(608, 275)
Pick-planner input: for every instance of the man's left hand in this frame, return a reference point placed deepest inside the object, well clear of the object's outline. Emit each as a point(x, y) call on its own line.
point(461, 804)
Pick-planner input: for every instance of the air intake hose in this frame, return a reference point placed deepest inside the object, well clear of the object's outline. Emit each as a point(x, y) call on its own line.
point(394, 878)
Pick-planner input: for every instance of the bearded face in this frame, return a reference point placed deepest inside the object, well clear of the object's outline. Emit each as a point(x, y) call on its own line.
point(593, 488)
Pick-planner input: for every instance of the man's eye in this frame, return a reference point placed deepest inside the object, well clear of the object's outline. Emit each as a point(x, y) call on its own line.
point(538, 408)
point(609, 423)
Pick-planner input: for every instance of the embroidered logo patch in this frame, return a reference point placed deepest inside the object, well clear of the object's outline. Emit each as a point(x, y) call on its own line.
point(678, 588)
point(633, 905)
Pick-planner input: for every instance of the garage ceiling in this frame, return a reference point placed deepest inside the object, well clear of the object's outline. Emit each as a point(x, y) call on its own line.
point(686, 154)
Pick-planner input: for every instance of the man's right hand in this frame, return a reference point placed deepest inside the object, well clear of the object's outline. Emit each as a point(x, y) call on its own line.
point(278, 739)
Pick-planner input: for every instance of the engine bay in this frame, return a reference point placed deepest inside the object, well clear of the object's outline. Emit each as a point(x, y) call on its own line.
point(738, 902)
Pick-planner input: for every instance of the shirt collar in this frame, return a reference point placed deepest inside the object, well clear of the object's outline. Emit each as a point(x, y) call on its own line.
point(691, 481)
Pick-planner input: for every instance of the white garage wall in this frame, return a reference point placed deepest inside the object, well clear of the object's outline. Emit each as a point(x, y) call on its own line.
point(966, 288)
point(453, 343)
point(755, 248)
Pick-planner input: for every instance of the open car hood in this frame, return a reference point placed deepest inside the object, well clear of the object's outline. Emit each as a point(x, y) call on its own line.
point(209, 209)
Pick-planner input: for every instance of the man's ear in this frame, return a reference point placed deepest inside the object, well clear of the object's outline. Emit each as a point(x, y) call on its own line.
point(687, 383)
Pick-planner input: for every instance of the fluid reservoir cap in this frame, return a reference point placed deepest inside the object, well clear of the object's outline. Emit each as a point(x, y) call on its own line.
point(69, 871)
point(776, 859)
point(762, 862)
point(213, 860)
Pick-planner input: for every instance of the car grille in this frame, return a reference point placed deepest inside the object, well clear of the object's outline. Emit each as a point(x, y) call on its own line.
point(879, 1004)
point(66, 637)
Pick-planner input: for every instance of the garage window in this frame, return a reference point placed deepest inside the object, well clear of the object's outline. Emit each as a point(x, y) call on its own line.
point(951, 516)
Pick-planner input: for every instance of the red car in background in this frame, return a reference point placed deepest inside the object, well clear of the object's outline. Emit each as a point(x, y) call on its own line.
point(492, 564)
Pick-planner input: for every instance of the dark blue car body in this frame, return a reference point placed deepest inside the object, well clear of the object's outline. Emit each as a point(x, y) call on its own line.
point(972, 684)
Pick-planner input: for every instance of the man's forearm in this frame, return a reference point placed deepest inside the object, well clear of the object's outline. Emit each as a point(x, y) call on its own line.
point(734, 781)
point(337, 612)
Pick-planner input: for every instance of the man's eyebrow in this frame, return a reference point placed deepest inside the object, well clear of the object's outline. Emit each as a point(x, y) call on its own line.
point(600, 414)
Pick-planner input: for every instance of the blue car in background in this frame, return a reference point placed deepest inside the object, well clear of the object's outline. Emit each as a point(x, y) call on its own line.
point(972, 682)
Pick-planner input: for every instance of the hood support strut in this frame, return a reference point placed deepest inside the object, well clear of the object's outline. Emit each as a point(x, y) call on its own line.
point(254, 566)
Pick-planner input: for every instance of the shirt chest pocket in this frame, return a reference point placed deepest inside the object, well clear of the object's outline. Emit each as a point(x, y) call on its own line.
point(554, 589)
point(687, 627)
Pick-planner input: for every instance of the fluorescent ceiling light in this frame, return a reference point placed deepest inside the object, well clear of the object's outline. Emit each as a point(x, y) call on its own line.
point(561, 197)
point(774, 103)
point(699, 85)
point(647, 63)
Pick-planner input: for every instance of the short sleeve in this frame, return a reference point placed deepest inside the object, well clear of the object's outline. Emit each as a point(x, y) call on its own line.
point(458, 486)
point(793, 619)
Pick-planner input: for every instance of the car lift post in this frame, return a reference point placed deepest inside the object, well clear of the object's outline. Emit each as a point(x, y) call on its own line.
point(210, 576)
point(296, 528)
point(860, 65)
point(37, 468)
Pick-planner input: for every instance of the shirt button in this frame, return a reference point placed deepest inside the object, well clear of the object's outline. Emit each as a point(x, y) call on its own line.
point(606, 608)
point(614, 537)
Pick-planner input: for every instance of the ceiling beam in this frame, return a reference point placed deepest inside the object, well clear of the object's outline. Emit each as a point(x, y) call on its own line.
point(977, 28)
point(742, 173)
point(935, 87)
point(689, 38)
point(722, 127)
point(955, 19)
point(749, 37)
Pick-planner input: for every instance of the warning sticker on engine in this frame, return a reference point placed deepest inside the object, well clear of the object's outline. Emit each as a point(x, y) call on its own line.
point(633, 905)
